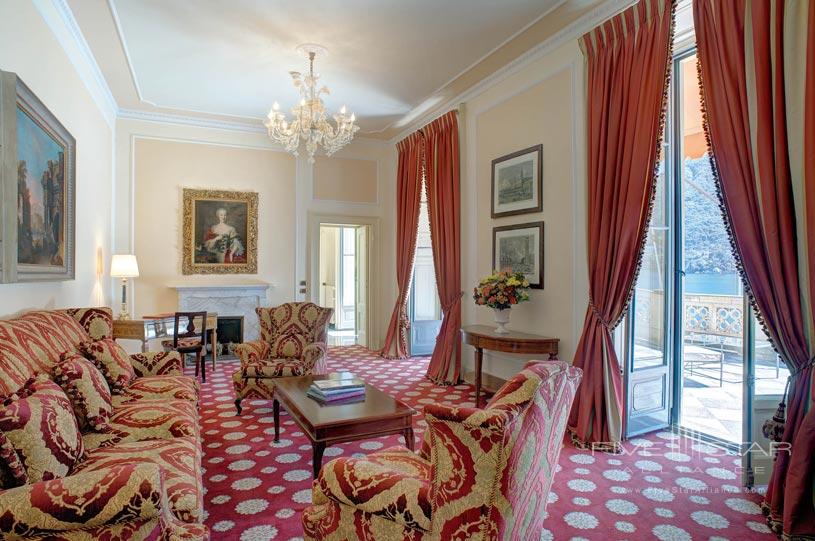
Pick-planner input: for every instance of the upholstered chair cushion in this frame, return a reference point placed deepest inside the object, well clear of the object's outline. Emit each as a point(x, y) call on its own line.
point(191, 342)
point(39, 424)
point(180, 462)
point(289, 345)
point(274, 368)
point(158, 388)
point(292, 326)
point(86, 387)
point(112, 360)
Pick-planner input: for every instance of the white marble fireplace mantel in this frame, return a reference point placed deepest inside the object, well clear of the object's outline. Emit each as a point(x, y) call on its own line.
point(227, 299)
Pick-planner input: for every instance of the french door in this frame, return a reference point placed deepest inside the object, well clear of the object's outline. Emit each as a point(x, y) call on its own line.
point(688, 329)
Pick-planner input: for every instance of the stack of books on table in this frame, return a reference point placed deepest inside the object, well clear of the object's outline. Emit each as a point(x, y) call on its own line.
point(337, 391)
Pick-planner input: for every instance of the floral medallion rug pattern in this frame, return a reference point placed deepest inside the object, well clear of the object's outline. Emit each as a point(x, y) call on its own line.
point(662, 487)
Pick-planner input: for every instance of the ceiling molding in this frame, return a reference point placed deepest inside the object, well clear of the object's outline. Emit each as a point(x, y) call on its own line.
point(120, 34)
point(568, 33)
point(197, 122)
point(60, 19)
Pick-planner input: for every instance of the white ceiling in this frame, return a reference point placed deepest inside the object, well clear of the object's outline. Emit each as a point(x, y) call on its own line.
point(232, 59)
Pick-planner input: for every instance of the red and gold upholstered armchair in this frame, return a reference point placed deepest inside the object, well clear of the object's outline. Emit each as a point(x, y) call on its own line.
point(292, 343)
point(481, 474)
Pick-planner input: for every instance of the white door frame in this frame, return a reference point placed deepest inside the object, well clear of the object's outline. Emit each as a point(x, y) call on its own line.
point(315, 220)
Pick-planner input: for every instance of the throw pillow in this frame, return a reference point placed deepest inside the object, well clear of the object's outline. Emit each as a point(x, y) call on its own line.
point(38, 423)
point(112, 360)
point(86, 387)
point(11, 468)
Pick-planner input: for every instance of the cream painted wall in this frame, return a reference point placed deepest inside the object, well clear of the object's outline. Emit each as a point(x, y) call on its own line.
point(29, 48)
point(536, 107)
point(163, 168)
point(346, 180)
point(291, 264)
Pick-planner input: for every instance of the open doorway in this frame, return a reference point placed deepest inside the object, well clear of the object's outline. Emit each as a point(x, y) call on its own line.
point(424, 308)
point(343, 281)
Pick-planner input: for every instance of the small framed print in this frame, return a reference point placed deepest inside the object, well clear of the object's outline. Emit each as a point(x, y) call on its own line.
point(519, 248)
point(517, 182)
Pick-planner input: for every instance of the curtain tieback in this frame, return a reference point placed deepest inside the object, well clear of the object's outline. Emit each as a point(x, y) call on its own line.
point(773, 429)
point(597, 314)
point(449, 306)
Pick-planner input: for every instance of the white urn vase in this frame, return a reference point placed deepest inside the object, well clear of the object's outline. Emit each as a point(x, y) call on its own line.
point(501, 319)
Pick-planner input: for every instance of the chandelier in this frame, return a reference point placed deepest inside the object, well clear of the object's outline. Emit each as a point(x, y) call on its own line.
point(309, 121)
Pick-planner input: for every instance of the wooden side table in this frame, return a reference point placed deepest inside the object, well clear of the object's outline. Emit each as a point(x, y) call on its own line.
point(483, 337)
point(151, 328)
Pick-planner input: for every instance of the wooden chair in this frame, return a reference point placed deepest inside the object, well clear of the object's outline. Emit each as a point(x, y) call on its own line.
point(190, 336)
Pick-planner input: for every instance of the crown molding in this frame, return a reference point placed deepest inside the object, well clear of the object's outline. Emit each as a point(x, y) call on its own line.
point(197, 122)
point(60, 19)
point(568, 33)
point(185, 120)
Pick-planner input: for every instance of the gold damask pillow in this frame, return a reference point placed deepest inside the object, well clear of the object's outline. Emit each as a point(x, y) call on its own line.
point(86, 387)
point(38, 423)
point(112, 360)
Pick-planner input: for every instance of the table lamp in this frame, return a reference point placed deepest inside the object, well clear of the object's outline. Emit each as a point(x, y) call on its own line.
point(124, 267)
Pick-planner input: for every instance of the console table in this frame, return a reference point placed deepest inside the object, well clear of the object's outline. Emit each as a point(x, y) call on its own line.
point(160, 326)
point(483, 337)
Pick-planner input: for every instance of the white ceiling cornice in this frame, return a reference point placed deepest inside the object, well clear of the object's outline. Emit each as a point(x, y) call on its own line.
point(184, 120)
point(568, 33)
point(60, 19)
point(197, 122)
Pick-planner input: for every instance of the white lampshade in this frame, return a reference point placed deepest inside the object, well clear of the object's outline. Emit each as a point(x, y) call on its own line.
point(124, 266)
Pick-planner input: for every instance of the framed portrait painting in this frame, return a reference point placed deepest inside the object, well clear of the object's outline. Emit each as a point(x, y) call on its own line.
point(38, 188)
point(220, 232)
point(519, 248)
point(517, 182)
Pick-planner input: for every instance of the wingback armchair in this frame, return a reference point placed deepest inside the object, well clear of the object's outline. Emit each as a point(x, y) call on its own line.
point(482, 474)
point(292, 343)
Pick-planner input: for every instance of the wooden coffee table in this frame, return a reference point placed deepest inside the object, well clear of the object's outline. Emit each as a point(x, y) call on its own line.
point(379, 415)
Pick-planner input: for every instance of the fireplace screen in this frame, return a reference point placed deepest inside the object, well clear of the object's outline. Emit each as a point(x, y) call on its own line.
point(230, 332)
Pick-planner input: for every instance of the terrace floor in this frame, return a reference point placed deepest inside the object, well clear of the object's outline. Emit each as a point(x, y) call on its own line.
point(716, 409)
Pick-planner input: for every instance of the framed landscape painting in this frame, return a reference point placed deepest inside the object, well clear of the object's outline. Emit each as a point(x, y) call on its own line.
point(517, 182)
point(220, 232)
point(519, 248)
point(39, 183)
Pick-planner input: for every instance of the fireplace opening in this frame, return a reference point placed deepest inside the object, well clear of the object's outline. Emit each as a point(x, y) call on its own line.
point(230, 333)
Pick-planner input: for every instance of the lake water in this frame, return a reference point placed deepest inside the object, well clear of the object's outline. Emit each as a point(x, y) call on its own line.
point(713, 284)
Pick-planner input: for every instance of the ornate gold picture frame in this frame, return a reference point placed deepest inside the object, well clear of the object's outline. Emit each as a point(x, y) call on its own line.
point(220, 232)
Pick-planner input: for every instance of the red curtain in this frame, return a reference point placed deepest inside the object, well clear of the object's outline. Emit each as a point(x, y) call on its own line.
point(408, 196)
point(444, 208)
point(628, 62)
point(757, 70)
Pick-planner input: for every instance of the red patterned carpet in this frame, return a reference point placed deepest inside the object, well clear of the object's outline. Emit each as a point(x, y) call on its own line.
point(663, 487)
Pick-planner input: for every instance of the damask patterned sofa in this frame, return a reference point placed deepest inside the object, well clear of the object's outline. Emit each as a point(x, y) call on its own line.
point(135, 475)
point(292, 343)
point(481, 474)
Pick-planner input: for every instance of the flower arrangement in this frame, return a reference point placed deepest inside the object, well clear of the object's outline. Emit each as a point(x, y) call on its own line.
point(500, 290)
